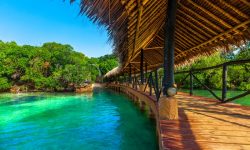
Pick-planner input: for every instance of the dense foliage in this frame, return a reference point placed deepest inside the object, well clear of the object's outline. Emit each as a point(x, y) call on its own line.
point(238, 75)
point(56, 67)
point(53, 66)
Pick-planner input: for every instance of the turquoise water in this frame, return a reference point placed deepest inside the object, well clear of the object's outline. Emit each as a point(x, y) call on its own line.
point(104, 121)
point(243, 101)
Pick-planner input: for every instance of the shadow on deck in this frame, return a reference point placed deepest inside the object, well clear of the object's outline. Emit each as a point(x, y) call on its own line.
point(205, 124)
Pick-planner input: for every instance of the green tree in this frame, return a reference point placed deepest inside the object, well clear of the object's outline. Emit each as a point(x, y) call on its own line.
point(53, 66)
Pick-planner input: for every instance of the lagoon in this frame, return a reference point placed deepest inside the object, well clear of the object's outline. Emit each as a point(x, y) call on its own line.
point(104, 120)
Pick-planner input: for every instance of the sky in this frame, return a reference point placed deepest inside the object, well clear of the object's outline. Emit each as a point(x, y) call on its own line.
point(35, 22)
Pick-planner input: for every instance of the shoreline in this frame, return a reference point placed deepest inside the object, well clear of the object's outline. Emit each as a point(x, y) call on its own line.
point(94, 85)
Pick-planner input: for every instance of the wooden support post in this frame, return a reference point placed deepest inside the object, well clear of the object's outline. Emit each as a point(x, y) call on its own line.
point(156, 85)
point(191, 83)
point(160, 78)
point(168, 105)
point(224, 83)
point(142, 86)
point(130, 73)
point(132, 82)
point(150, 84)
point(141, 67)
point(134, 79)
point(146, 70)
point(168, 64)
point(136, 83)
point(125, 78)
point(128, 79)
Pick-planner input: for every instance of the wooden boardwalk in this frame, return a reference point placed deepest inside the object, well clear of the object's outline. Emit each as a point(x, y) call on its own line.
point(206, 124)
point(203, 123)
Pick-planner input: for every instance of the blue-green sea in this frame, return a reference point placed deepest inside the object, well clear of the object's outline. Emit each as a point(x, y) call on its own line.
point(103, 121)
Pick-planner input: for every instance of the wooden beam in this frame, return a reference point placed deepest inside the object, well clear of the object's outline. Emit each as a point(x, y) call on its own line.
point(133, 62)
point(159, 53)
point(153, 48)
point(184, 31)
point(210, 14)
point(149, 37)
point(149, 62)
point(234, 9)
point(192, 30)
point(129, 6)
point(194, 26)
point(201, 18)
point(180, 43)
point(223, 12)
point(198, 22)
point(184, 39)
point(140, 8)
point(246, 2)
point(160, 38)
point(151, 67)
point(177, 49)
point(218, 36)
point(141, 67)
point(130, 73)
point(135, 67)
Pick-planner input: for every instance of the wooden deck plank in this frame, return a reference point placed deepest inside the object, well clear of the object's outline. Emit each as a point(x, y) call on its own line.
point(205, 124)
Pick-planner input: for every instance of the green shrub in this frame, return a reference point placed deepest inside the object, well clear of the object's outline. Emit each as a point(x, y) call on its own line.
point(4, 84)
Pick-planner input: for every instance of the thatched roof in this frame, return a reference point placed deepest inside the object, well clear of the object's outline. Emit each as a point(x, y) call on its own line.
point(113, 72)
point(202, 26)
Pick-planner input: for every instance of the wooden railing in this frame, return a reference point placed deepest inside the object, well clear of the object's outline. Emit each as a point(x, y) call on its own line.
point(153, 81)
point(191, 74)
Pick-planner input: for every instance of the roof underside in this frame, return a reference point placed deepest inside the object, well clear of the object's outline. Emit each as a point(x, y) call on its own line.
point(202, 27)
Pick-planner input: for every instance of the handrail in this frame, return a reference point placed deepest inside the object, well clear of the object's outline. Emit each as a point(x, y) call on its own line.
point(217, 97)
point(217, 66)
point(238, 96)
point(224, 79)
point(152, 81)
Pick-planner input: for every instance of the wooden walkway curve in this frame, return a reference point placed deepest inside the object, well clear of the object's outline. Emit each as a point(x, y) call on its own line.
point(203, 123)
point(206, 124)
